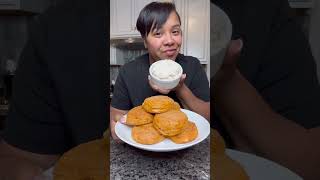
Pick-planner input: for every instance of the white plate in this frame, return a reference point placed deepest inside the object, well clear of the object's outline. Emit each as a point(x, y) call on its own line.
point(259, 168)
point(124, 133)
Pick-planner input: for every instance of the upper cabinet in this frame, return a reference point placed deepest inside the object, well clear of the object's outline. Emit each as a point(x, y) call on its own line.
point(196, 30)
point(124, 14)
point(121, 22)
point(194, 16)
point(29, 6)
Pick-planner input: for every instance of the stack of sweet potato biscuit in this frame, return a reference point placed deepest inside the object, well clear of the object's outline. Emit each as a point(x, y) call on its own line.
point(160, 117)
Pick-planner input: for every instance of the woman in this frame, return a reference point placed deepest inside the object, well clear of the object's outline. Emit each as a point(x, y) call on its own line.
point(160, 27)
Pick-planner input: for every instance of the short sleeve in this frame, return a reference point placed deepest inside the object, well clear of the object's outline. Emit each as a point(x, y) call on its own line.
point(199, 84)
point(34, 121)
point(120, 98)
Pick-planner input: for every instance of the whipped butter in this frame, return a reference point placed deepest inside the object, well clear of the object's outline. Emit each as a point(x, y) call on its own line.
point(166, 70)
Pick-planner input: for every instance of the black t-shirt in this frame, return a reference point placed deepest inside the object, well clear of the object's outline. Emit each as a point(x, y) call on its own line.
point(132, 85)
point(60, 87)
point(276, 59)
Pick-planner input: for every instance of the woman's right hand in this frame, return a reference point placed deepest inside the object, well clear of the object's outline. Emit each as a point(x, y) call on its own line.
point(113, 133)
point(115, 116)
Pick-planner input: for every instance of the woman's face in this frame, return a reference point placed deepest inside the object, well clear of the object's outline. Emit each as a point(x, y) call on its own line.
point(165, 42)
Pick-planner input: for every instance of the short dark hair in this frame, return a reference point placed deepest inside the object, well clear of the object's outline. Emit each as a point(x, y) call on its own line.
point(153, 16)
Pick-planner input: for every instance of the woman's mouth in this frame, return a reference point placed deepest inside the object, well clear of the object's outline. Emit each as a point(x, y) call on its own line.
point(170, 52)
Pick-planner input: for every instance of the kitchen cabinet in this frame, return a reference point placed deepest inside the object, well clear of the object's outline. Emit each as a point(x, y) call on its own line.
point(196, 30)
point(31, 6)
point(122, 19)
point(124, 15)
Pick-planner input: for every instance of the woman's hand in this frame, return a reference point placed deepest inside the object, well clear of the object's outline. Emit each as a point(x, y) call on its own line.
point(115, 116)
point(113, 134)
point(166, 91)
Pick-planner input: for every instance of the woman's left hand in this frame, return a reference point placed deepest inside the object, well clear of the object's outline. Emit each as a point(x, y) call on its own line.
point(166, 91)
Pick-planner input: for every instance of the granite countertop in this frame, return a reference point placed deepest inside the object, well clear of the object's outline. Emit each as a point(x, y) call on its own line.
point(127, 162)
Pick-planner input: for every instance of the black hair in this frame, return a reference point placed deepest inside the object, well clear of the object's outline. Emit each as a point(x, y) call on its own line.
point(153, 16)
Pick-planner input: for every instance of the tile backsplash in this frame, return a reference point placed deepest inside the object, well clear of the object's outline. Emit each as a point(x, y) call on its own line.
point(121, 54)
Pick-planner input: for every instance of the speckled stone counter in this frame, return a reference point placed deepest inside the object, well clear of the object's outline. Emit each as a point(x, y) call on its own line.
point(127, 162)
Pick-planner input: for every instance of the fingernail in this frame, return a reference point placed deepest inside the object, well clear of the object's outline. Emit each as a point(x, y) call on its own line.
point(123, 120)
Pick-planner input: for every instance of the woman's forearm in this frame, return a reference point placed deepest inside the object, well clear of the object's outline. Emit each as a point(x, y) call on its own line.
point(191, 102)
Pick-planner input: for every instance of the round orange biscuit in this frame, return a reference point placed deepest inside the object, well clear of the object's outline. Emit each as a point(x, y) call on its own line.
point(175, 106)
point(189, 133)
point(138, 116)
point(170, 123)
point(157, 104)
point(146, 134)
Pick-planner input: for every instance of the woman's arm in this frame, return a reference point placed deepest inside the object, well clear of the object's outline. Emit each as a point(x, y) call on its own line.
point(191, 102)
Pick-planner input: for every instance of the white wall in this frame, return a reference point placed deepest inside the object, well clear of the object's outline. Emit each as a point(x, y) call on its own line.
point(314, 33)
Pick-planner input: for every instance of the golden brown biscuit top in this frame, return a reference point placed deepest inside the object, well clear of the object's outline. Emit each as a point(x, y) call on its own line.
point(171, 119)
point(146, 134)
point(175, 106)
point(189, 133)
point(138, 116)
point(157, 104)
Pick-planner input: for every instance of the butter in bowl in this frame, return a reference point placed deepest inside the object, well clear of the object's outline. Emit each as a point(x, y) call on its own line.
point(165, 73)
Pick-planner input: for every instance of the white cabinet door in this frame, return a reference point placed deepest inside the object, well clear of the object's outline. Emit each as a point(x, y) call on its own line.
point(122, 18)
point(196, 31)
point(137, 7)
point(124, 15)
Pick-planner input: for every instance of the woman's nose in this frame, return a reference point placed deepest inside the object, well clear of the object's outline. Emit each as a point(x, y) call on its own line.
point(168, 40)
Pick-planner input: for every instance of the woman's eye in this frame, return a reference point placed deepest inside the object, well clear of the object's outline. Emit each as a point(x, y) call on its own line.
point(157, 34)
point(176, 32)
